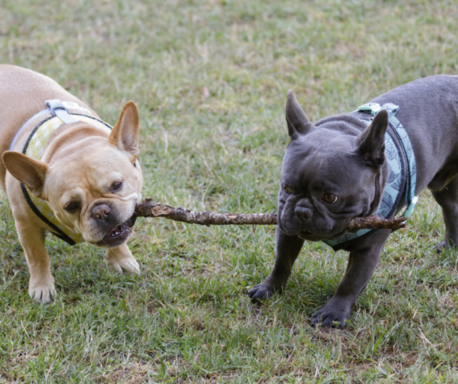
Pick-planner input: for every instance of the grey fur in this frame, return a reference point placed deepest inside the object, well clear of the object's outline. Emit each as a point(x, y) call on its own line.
point(339, 156)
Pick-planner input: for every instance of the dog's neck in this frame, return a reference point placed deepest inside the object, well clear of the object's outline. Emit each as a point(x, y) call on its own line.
point(67, 135)
point(347, 124)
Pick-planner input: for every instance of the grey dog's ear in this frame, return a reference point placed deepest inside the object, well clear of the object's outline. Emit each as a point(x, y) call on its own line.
point(295, 117)
point(371, 142)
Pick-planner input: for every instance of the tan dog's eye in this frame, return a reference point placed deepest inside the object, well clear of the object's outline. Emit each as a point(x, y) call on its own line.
point(116, 186)
point(72, 207)
point(330, 198)
point(287, 189)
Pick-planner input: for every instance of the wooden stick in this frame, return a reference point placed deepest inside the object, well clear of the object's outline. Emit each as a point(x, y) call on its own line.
point(149, 209)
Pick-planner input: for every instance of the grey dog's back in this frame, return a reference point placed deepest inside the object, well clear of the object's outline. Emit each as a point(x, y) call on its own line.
point(440, 91)
point(428, 108)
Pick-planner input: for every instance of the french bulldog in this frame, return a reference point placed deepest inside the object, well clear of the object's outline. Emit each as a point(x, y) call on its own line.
point(338, 169)
point(83, 184)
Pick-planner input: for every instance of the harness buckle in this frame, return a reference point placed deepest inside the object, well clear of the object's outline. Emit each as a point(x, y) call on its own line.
point(372, 108)
point(57, 108)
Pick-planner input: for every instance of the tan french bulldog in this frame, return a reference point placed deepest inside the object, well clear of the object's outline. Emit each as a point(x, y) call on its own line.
point(65, 171)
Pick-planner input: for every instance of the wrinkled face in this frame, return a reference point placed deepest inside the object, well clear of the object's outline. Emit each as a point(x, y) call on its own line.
point(324, 184)
point(94, 192)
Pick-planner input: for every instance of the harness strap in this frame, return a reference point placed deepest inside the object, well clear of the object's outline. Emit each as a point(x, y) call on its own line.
point(403, 137)
point(34, 147)
point(394, 153)
point(51, 107)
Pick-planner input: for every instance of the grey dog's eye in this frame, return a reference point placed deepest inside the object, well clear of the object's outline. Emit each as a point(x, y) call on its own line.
point(116, 186)
point(286, 189)
point(330, 198)
point(72, 207)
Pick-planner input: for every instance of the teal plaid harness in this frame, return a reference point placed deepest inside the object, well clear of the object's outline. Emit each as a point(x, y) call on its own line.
point(403, 171)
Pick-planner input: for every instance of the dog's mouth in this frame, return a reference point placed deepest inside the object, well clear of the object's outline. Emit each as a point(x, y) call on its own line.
point(310, 236)
point(118, 234)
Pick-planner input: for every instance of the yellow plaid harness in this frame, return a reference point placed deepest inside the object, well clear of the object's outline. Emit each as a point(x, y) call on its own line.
point(59, 115)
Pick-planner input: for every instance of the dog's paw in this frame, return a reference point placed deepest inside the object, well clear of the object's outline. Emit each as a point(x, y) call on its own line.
point(42, 290)
point(120, 263)
point(331, 316)
point(261, 292)
point(444, 246)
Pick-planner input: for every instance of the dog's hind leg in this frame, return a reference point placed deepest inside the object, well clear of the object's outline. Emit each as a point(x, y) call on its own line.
point(447, 198)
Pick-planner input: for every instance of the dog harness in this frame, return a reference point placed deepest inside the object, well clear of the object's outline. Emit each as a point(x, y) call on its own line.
point(403, 171)
point(58, 115)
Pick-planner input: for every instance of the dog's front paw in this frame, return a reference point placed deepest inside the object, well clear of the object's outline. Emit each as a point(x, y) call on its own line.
point(333, 314)
point(128, 264)
point(41, 289)
point(261, 292)
point(120, 259)
point(444, 246)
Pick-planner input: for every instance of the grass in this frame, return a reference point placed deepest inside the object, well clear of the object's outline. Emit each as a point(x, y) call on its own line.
point(210, 80)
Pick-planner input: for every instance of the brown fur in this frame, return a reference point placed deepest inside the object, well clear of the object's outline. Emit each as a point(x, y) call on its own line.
point(80, 163)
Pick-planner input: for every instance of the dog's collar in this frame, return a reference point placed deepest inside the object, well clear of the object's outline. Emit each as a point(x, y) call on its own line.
point(398, 157)
point(57, 116)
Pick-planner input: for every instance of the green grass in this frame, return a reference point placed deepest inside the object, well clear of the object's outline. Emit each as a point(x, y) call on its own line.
point(210, 80)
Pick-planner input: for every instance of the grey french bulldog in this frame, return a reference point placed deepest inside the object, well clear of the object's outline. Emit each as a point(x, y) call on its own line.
point(373, 160)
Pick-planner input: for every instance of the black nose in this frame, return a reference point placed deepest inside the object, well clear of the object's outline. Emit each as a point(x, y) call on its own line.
point(101, 212)
point(302, 213)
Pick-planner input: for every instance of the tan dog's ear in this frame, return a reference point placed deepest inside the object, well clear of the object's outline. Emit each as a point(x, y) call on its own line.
point(125, 133)
point(28, 171)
